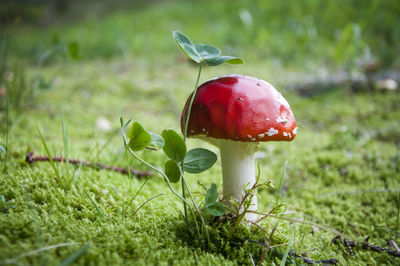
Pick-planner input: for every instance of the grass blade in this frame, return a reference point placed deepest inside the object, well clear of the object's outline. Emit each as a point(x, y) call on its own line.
point(398, 216)
point(66, 148)
point(7, 131)
point(75, 256)
point(53, 165)
point(281, 181)
point(285, 256)
point(36, 251)
point(144, 203)
point(137, 193)
point(251, 259)
point(95, 205)
point(77, 173)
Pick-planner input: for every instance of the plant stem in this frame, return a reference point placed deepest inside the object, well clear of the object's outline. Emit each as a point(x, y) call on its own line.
point(398, 216)
point(333, 231)
point(66, 151)
point(160, 172)
point(7, 129)
point(181, 165)
point(191, 103)
point(123, 127)
point(184, 204)
point(195, 205)
point(146, 203)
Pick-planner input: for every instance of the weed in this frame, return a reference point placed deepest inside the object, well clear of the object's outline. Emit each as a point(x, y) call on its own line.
point(53, 165)
point(97, 208)
point(76, 255)
point(285, 256)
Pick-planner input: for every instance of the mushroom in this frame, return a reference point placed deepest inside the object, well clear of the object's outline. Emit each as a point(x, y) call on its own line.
point(235, 113)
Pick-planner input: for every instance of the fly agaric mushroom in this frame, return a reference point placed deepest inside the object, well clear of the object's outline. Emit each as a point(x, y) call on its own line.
point(235, 113)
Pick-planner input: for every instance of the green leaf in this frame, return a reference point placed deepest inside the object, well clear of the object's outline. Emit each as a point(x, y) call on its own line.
point(217, 60)
point(199, 160)
point(211, 195)
point(171, 170)
point(216, 209)
point(186, 45)
point(140, 138)
point(157, 141)
point(175, 147)
point(207, 50)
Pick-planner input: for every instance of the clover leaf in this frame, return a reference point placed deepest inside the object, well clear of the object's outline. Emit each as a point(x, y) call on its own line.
point(175, 147)
point(139, 138)
point(198, 160)
point(212, 206)
point(199, 53)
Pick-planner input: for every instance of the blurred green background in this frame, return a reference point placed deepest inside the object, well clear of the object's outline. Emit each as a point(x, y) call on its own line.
point(331, 33)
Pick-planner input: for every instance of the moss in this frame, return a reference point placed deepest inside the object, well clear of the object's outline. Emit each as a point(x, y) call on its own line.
point(319, 164)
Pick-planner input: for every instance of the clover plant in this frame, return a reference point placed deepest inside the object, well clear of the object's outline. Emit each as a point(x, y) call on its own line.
point(180, 159)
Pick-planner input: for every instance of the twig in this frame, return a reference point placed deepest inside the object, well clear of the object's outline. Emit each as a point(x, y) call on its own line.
point(365, 245)
point(294, 254)
point(354, 228)
point(376, 190)
point(394, 245)
point(349, 246)
point(30, 158)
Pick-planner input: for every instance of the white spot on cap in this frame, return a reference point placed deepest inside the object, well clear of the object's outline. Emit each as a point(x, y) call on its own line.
point(253, 139)
point(295, 130)
point(267, 119)
point(281, 119)
point(272, 131)
point(260, 136)
point(287, 134)
point(249, 136)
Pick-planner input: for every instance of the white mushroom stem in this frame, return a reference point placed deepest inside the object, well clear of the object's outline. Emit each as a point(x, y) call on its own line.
point(238, 171)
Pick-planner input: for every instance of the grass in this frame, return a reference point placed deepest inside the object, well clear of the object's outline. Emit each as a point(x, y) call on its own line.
point(347, 146)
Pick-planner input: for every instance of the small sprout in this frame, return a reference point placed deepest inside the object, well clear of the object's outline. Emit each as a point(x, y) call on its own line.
point(212, 206)
point(199, 53)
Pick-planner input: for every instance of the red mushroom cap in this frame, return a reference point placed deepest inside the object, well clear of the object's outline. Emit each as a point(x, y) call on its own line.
point(240, 108)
